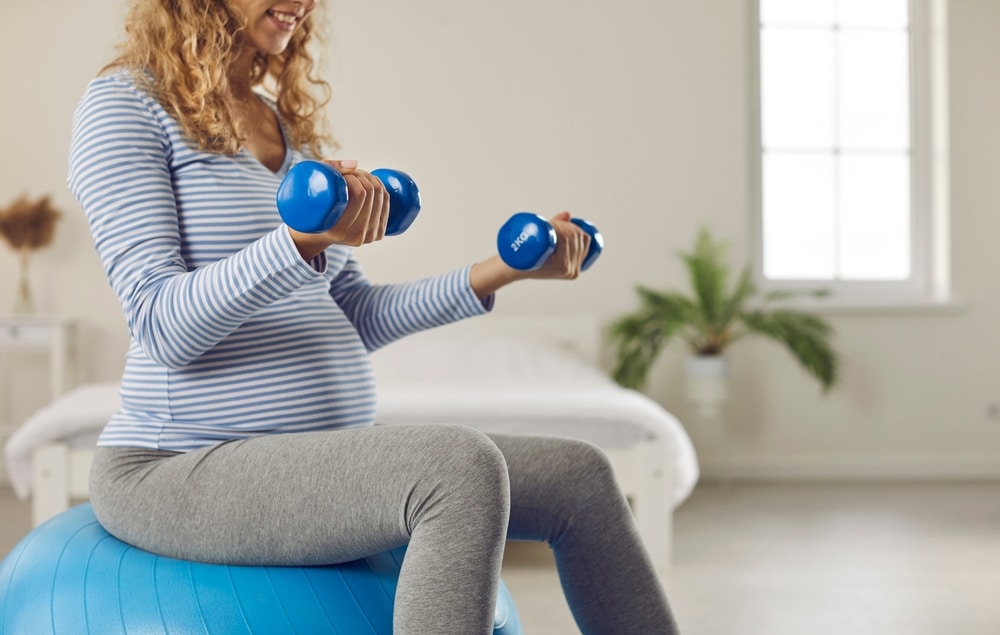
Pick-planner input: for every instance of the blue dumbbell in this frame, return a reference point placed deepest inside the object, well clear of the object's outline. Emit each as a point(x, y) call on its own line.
point(313, 195)
point(527, 240)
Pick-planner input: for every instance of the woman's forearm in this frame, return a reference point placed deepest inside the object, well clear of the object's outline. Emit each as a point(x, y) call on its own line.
point(490, 275)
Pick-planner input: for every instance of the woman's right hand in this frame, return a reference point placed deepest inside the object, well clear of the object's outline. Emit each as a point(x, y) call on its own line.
point(364, 219)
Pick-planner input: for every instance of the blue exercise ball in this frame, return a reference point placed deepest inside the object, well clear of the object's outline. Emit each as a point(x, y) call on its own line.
point(71, 576)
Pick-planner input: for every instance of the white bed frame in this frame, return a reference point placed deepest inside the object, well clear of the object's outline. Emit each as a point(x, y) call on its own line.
point(61, 472)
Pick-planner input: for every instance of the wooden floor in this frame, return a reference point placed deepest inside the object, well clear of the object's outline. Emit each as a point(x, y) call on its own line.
point(883, 559)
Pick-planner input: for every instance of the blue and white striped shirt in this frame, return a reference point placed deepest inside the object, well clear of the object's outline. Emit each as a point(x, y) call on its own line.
point(232, 333)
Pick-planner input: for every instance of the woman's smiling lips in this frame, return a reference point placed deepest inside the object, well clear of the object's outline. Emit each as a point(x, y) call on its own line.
point(284, 21)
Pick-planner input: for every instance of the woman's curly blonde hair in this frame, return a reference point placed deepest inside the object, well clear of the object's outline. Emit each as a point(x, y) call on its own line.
point(181, 50)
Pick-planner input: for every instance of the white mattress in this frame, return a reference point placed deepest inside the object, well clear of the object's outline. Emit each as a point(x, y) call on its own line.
point(495, 384)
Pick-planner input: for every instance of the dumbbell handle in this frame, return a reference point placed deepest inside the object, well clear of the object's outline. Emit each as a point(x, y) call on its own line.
point(527, 240)
point(313, 195)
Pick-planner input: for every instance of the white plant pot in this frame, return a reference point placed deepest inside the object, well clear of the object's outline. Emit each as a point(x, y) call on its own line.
point(707, 383)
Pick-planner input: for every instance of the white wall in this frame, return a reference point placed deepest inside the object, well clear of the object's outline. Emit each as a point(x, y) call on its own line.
point(633, 114)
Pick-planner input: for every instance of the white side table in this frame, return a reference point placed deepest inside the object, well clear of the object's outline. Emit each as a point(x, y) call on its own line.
point(51, 334)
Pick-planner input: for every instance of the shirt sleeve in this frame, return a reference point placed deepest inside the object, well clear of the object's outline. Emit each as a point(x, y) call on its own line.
point(119, 171)
point(386, 312)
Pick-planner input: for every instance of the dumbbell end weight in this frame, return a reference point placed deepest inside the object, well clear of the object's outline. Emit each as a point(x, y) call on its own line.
point(526, 241)
point(596, 242)
point(311, 197)
point(404, 199)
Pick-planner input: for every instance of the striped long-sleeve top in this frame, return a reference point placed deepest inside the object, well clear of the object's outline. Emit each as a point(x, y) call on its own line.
point(232, 333)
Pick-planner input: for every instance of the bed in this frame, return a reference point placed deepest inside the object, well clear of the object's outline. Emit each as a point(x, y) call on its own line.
point(519, 375)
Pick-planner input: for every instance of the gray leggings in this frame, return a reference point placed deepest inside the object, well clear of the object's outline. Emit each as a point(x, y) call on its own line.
point(453, 493)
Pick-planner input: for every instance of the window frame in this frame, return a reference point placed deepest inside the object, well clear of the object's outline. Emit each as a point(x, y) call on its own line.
point(929, 180)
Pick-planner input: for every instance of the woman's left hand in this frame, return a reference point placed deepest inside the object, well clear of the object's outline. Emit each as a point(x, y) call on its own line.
point(566, 261)
point(572, 244)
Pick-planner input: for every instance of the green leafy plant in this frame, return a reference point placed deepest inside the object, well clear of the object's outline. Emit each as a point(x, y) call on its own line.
point(715, 316)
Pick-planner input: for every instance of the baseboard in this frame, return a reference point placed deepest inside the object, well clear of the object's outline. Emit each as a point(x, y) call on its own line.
point(979, 468)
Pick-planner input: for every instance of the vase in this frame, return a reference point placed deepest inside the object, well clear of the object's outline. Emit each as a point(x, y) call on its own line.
point(24, 303)
point(707, 383)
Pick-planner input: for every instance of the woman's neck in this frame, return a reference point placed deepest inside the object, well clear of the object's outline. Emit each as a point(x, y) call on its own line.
point(263, 136)
point(239, 75)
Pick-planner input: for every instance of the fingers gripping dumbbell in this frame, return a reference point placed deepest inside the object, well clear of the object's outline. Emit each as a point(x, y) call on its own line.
point(313, 195)
point(527, 240)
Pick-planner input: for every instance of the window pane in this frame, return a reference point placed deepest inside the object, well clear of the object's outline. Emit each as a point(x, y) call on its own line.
point(873, 13)
point(874, 90)
point(799, 226)
point(797, 12)
point(875, 217)
point(836, 146)
point(797, 89)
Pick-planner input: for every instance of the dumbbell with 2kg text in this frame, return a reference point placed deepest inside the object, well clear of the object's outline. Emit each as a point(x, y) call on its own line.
point(527, 240)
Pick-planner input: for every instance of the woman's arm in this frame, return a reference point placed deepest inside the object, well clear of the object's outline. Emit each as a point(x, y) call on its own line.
point(120, 173)
point(383, 313)
point(490, 275)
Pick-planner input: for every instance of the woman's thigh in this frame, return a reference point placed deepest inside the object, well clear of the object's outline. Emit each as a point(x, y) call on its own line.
point(308, 498)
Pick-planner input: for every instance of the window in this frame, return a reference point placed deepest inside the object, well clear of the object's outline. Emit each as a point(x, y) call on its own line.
point(849, 195)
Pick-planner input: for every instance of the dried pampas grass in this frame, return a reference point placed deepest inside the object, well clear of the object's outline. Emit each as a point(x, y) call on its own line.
point(28, 225)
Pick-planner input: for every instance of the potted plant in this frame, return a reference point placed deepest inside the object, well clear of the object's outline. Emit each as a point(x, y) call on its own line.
point(710, 320)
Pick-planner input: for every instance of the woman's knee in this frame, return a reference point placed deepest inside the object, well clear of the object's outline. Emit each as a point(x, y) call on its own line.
point(467, 469)
point(580, 474)
point(586, 462)
point(475, 458)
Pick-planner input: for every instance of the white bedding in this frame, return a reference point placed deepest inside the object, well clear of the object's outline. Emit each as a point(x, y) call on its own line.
point(496, 384)
point(505, 384)
point(75, 418)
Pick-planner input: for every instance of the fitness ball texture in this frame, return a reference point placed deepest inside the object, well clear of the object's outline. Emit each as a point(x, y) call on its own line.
point(70, 576)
